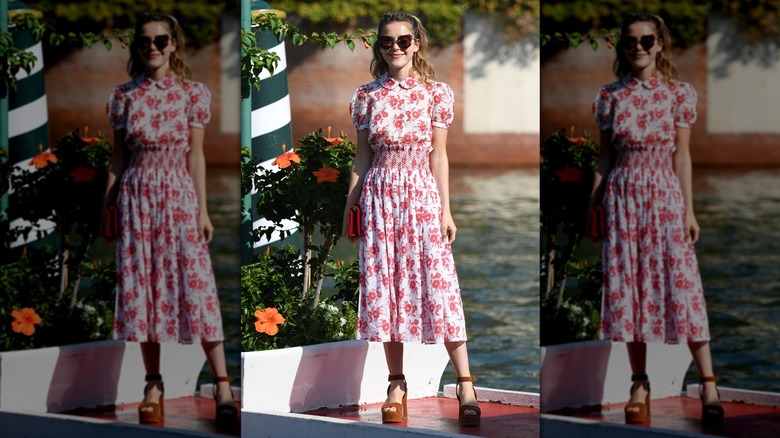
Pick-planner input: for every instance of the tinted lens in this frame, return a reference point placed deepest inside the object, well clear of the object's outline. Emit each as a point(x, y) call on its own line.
point(404, 42)
point(647, 42)
point(385, 42)
point(160, 41)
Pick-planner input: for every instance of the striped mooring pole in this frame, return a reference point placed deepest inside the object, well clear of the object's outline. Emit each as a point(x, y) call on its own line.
point(269, 127)
point(25, 127)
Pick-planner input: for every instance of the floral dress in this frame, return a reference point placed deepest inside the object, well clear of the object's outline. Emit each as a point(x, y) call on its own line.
point(408, 285)
point(652, 286)
point(165, 282)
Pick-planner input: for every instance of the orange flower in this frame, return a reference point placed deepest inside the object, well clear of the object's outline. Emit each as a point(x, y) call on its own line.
point(577, 141)
point(267, 320)
point(333, 140)
point(90, 141)
point(569, 174)
point(83, 173)
point(326, 174)
point(25, 320)
point(286, 159)
point(43, 159)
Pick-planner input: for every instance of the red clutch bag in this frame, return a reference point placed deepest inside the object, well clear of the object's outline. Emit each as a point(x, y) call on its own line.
point(110, 227)
point(597, 227)
point(353, 223)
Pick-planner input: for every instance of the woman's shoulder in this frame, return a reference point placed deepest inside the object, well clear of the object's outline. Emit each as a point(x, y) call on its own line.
point(613, 87)
point(438, 86)
point(681, 87)
point(123, 88)
point(194, 87)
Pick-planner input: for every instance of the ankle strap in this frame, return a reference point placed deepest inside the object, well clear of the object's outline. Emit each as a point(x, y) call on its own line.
point(152, 377)
point(708, 379)
point(222, 379)
point(638, 377)
point(465, 379)
point(392, 377)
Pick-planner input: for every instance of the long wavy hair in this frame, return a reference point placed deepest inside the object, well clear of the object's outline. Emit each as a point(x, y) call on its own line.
point(178, 66)
point(421, 63)
point(663, 59)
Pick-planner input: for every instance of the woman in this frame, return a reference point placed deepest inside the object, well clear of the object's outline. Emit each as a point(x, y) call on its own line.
point(165, 283)
point(408, 284)
point(652, 286)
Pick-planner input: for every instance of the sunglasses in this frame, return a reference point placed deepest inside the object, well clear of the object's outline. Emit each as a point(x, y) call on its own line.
point(160, 41)
point(630, 43)
point(403, 41)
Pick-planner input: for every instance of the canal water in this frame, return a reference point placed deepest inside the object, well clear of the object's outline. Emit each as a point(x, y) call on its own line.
point(739, 258)
point(223, 198)
point(497, 257)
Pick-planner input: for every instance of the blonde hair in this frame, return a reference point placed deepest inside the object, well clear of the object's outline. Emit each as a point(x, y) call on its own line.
point(421, 63)
point(177, 64)
point(663, 60)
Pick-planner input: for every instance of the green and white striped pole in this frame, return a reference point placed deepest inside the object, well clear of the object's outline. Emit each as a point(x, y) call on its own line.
point(28, 123)
point(270, 120)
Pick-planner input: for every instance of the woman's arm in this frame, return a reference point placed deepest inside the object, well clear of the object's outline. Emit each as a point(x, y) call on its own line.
point(683, 169)
point(603, 166)
point(360, 165)
point(196, 165)
point(116, 168)
point(440, 167)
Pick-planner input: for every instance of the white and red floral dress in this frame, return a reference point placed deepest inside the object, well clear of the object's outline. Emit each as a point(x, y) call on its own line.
point(165, 282)
point(652, 286)
point(408, 285)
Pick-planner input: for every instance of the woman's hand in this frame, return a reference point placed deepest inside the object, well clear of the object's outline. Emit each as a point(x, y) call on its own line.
point(205, 228)
point(448, 228)
point(692, 227)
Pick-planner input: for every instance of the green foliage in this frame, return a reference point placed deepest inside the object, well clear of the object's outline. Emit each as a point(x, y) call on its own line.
point(32, 281)
point(307, 185)
point(566, 177)
point(199, 19)
point(255, 60)
point(569, 23)
point(275, 281)
point(72, 293)
point(442, 18)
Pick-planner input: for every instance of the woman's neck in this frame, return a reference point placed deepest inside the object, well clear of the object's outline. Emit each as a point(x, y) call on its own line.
point(645, 73)
point(401, 74)
point(157, 73)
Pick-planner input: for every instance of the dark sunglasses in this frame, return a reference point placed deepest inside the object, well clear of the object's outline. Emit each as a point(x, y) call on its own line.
point(630, 43)
point(403, 41)
point(160, 41)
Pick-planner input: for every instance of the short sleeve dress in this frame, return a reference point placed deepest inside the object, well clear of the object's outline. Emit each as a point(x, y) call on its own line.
point(408, 284)
point(652, 285)
point(166, 290)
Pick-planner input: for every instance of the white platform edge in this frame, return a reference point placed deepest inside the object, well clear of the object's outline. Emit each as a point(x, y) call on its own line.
point(503, 396)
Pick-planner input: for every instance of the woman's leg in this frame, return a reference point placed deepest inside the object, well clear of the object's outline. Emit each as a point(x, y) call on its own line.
point(150, 351)
point(215, 354)
point(637, 357)
point(703, 359)
point(460, 361)
point(394, 355)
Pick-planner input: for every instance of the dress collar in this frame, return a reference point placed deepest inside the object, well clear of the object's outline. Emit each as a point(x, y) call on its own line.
point(146, 82)
point(390, 83)
point(651, 83)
